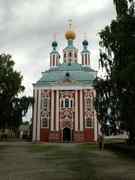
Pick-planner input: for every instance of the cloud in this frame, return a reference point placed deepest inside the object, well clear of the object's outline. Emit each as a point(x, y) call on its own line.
point(27, 29)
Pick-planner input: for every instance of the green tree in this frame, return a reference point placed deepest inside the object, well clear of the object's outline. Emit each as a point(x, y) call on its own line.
point(10, 86)
point(117, 56)
point(20, 107)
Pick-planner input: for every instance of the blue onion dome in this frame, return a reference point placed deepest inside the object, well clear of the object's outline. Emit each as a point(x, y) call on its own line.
point(54, 44)
point(85, 43)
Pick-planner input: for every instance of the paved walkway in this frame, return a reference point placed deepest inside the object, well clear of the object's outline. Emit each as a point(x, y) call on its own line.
point(25, 161)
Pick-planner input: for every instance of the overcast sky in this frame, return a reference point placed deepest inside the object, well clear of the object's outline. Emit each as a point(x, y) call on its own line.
point(27, 29)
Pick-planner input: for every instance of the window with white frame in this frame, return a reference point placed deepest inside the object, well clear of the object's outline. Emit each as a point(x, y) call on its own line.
point(44, 103)
point(44, 122)
point(44, 111)
point(89, 122)
point(66, 103)
point(89, 104)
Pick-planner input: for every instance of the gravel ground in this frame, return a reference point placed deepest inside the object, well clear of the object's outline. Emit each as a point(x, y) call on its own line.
point(27, 161)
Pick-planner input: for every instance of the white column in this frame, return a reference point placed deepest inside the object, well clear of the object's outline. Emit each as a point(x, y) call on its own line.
point(95, 126)
point(81, 111)
point(50, 61)
point(87, 59)
point(39, 111)
point(34, 116)
point(52, 110)
point(76, 110)
point(57, 110)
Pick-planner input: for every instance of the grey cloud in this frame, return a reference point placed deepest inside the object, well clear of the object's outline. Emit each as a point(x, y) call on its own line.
point(27, 29)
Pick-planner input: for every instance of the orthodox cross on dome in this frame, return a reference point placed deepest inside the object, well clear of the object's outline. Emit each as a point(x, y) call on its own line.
point(70, 34)
point(85, 35)
point(55, 36)
point(70, 24)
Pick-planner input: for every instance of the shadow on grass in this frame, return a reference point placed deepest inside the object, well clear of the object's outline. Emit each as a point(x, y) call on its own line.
point(122, 149)
point(71, 158)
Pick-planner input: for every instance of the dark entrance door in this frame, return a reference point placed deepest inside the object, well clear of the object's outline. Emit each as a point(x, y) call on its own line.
point(66, 135)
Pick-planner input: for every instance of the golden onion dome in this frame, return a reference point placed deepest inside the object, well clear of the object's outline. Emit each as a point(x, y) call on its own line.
point(70, 35)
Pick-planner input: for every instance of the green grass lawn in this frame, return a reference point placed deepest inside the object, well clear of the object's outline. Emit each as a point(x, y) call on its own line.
point(85, 162)
point(20, 161)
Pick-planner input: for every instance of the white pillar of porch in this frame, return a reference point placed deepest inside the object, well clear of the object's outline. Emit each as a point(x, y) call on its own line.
point(81, 110)
point(76, 110)
point(57, 110)
point(39, 111)
point(34, 116)
point(52, 110)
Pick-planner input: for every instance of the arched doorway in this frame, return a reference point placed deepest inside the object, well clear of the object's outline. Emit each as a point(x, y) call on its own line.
point(66, 135)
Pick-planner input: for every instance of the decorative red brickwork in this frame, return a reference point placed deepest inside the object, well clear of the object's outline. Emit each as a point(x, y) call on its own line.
point(67, 117)
point(78, 137)
point(44, 135)
point(88, 134)
point(54, 137)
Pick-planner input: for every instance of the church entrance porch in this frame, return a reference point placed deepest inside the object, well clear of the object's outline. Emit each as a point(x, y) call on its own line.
point(67, 135)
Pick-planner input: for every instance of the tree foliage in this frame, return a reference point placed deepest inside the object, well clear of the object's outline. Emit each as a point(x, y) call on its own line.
point(19, 109)
point(117, 56)
point(12, 108)
point(10, 86)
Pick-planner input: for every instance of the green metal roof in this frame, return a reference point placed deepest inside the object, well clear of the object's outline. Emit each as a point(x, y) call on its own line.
point(67, 74)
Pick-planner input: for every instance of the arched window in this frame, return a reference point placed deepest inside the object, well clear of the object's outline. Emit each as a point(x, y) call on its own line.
point(75, 55)
point(44, 103)
point(66, 103)
point(44, 122)
point(64, 55)
point(82, 60)
point(88, 102)
point(85, 58)
point(53, 59)
point(70, 54)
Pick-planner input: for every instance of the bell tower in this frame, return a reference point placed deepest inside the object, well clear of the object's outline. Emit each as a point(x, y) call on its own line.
point(85, 54)
point(54, 55)
point(70, 53)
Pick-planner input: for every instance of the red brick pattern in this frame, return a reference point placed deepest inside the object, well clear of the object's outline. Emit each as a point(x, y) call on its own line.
point(44, 135)
point(54, 137)
point(78, 137)
point(88, 134)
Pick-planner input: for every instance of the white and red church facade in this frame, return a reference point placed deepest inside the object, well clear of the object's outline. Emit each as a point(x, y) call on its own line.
point(64, 97)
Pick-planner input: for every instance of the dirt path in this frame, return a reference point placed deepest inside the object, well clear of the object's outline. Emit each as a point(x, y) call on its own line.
point(24, 161)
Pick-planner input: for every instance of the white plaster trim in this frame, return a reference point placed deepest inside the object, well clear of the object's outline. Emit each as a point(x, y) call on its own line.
point(64, 87)
point(76, 110)
point(34, 118)
point(38, 120)
point(81, 111)
point(57, 110)
point(52, 110)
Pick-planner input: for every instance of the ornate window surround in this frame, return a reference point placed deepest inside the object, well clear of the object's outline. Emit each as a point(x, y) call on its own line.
point(64, 101)
point(89, 120)
point(44, 113)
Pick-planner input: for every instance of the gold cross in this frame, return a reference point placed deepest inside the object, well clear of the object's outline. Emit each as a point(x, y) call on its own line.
point(54, 36)
point(85, 36)
point(70, 24)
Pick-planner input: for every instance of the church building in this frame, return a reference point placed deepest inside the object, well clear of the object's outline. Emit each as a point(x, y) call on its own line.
point(64, 96)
